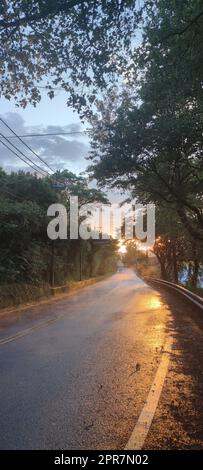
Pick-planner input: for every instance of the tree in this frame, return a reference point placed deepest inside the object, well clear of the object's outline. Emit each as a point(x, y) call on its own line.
point(170, 67)
point(157, 158)
point(71, 44)
point(149, 140)
point(131, 254)
point(26, 253)
point(171, 244)
point(171, 51)
point(80, 46)
point(175, 249)
point(70, 184)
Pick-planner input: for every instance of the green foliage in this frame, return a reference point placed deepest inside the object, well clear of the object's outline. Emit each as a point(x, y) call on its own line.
point(130, 256)
point(157, 158)
point(26, 254)
point(21, 292)
point(77, 186)
point(175, 249)
point(89, 42)
point(148, 138)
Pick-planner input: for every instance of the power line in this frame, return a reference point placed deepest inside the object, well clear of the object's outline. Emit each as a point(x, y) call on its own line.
point(54, 180)
point(27, 163)
point(24, 143)
point(46, 134)
point(25, 156)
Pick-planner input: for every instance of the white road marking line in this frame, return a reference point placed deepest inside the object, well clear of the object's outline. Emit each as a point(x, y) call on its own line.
point(141, 429)
point(28, 331)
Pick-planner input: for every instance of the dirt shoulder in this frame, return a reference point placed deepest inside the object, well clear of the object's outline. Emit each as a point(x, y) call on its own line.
point(178, 422)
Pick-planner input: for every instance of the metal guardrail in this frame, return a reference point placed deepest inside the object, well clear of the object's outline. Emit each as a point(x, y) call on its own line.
point(194, 298)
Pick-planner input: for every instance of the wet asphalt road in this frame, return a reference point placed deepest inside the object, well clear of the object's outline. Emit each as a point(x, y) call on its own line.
point(81, 380)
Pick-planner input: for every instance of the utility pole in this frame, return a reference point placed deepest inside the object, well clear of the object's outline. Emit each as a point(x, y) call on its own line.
point(52, 265)
point(80, 262)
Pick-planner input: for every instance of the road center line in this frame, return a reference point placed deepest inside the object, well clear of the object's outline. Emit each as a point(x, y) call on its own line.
point(29, 331)
point(141, 429)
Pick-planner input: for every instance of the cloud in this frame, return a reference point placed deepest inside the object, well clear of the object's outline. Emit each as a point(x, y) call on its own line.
point(57, 151)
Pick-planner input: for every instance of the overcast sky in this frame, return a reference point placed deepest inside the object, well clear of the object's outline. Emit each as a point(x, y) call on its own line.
point(49, 116)
point(59, 152)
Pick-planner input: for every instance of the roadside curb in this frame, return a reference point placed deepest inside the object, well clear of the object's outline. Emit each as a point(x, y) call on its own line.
point(72, 286)
point(56, 293)
point(194, 298)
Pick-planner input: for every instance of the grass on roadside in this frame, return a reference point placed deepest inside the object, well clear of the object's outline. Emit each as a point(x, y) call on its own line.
point(149, 268)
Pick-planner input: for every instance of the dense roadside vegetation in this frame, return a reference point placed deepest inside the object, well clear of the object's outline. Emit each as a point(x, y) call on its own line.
point(134, 69)
point(147, 139)
point(29, 261)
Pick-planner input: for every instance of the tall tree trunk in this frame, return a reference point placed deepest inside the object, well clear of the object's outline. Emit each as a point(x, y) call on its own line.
point(81, 264)
point(175, 265)
point(194, 278)
point(164, 274)
point(52, 264)
point(195, 271)
point(195, 233)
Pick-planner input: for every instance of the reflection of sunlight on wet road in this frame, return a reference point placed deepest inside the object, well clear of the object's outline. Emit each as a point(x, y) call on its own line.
point(93, 366)
point(148, 303)
point(154, 302)
point(158, 337)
